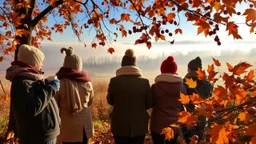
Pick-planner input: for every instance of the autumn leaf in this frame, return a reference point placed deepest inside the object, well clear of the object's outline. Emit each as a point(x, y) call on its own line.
point(216, 62)
point(244, 116)
point(125, 17)
point(250, 75)
point(200, 74)
point(230, 68)
point(217, 6)
point(111, 50)
point(183, 116)
point(218, 134)
point(178, 30)
point(203, 26)
point(190, 82)
point(195, 98)
point(94, 45)
point(232, 28)
point(168, 132)
point(148, 45)
point(250, 15)
point(241, 68)
point(184, 99)
point(170, 16)
point(124, 33)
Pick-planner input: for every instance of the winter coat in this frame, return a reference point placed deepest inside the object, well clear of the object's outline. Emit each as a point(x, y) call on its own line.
point(166, 92)
point(34, 108)
point(73, 124)
point(129, 94)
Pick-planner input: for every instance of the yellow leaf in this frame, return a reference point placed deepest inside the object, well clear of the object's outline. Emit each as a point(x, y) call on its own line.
point(190, 82)
point(184, 99)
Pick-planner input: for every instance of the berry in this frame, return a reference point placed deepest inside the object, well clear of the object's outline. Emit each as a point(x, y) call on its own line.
point(167, 31)
point(175, 22)
point(211, 23)
point(251, 110)
point(170, 34)
point(219, 43)
point(173, 8)
point(225, 12)
point(238, 13)
point(251, 5)
point(130, 32)
point(162, 31)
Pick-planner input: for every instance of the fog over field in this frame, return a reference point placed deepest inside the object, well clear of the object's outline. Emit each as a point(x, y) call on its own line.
point(102, 65)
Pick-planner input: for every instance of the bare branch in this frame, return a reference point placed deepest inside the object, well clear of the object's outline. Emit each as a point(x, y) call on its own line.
point(45, 12)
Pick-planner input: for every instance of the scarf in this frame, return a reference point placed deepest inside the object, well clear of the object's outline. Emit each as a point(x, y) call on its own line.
point(129, 70)
point(71, 81)
point(18, 68)
point(72, 74)
point(172, 78)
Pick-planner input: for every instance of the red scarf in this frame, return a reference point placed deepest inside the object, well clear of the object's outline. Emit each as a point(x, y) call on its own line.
point(72, 74)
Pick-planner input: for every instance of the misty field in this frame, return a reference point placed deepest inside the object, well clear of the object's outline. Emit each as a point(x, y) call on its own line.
point(100, 111)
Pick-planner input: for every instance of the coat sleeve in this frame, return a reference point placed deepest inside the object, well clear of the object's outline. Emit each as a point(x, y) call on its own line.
point(148, 96)
point(35, 97)
point(110, 95)
point(91, 95)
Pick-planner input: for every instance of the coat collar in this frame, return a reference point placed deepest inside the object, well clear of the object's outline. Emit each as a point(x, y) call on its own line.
point(166, 77)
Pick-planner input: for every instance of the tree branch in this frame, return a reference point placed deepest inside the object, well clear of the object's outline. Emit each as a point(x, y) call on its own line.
point(192, 11)
point(45, 12)
point(32, 6)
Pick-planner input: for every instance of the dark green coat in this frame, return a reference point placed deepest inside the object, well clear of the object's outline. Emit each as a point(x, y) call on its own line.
point(35, 111)
point(130, 97)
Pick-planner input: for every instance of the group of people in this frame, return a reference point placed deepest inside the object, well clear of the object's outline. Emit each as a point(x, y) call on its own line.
point(45, 108)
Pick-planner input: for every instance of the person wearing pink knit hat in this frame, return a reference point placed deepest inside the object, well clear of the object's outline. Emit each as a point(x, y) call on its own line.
point(165, 94)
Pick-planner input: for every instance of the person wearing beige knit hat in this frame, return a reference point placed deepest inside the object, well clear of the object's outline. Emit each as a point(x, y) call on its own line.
point(32, 104)
point(74, 98)
point(129, 94)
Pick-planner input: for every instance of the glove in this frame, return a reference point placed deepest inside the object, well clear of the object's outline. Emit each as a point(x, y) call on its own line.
point(55, 84)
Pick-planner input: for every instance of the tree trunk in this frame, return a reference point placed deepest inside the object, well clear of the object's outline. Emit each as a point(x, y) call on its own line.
point(24, 39)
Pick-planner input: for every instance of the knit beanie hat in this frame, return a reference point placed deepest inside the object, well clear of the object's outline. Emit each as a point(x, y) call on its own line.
point(72, 60)
point(129, 59)
point(194, 64)
point(30, 55)
point(169, 66)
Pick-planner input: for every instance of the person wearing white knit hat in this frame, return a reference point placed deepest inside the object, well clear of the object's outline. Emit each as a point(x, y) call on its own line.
point(34, 108)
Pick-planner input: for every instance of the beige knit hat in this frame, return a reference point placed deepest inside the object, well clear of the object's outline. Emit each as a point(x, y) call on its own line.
point(30, 55)
point(72, 60)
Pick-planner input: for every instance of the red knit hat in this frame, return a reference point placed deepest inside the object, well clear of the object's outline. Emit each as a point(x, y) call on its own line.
point(169, 66)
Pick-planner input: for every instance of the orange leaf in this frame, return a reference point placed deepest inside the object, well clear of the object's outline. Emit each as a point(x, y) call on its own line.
point(184, 99)
point(241, 68)
point(230, 68)
point(217, 6)
point(244, 116)
point(149, 45)
point(168, 132)
point(124, 33)
point(218, 134)
point(162, 37)
point(195, 98)
point(190, 82)
point(111, 50)
point(251, 130)
point(232, 28)
point(183, 116)
point(250, 14)
point(125, 17)
point(201, 74)
point(170, 16)
point(219, 92)
point(178, 30)
point(94, 45)
point(250, 75)
point(216, 62)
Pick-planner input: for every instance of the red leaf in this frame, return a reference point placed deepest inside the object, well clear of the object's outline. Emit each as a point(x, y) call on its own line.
point(111, 50)
point(216, 62)
point(94, 45)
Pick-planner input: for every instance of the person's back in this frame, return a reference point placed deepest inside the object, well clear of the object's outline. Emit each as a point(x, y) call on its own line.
point(34, 108)
point(166, 105)
point(74, 98)
point(129, 94)
point(204, 90)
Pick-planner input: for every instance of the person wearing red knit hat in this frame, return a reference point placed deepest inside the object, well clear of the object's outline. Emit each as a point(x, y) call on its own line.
point(165, 94)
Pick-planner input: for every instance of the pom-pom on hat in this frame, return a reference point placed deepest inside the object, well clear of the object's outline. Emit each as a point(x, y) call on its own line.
point(30, 55)
point(129, 58)
point(72, 60)
point(194, 64)
point(169, 66)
